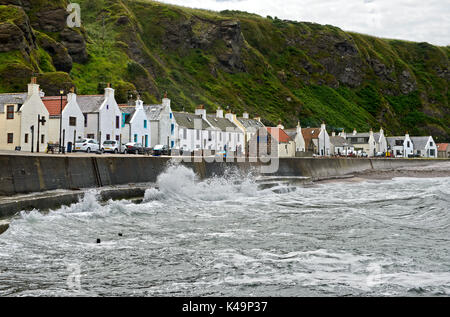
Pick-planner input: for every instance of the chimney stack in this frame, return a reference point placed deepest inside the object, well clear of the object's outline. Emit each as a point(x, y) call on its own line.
point(280, 125)
point(354, 132)
point(219, 113)
point(245, 115)
point(33, 87)
point(201, 111)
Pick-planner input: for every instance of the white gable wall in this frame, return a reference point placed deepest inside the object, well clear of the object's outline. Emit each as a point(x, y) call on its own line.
point(30, 110)
point(108, 112)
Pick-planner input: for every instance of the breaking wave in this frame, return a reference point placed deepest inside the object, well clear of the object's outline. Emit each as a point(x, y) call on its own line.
point(229, 236)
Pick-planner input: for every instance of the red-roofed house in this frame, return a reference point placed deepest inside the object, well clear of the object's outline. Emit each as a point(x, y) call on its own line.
point(273, 142)
point(72, 125)
point(443, 150)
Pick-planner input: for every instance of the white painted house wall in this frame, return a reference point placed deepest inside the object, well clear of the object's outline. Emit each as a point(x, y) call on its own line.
point(108, 112)
point(32, 107)
point(72, 109)
point(324, 142)
point(139, 125)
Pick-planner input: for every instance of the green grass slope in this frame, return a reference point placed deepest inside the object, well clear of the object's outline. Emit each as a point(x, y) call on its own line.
point(280, 70)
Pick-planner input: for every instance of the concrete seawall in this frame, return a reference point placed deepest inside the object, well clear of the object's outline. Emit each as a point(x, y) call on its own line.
point(20, 174)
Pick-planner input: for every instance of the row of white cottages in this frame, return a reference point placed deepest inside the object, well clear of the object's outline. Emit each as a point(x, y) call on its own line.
point(101, 118)
point(32, 120)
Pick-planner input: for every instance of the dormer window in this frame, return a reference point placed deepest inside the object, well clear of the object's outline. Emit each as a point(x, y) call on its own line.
point(9, 112)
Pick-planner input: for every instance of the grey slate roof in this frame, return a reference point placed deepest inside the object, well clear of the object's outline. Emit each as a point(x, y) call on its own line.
point(187, 120)
point(292, 133)
point(153, 112)
point(338, 141)
point(17, 98)
point(420, 142)
point(221, 123)
point(91, 103)
point(128, 110)
point(250, 123)
point(391, 140)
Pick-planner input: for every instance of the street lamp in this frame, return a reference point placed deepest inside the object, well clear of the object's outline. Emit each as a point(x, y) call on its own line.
point(61, 92)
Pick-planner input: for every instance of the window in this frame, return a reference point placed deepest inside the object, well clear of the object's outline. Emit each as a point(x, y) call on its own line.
point(239, 138)
point(117, 138)
point(172, 128)
point(85, 119)
point(171, 115)
point(408, 144)
point(229, 137)
point(431, 143)
point(198, 134)
point(145, 124)
point(184, 134)
point(26, 137)
point(10, 138)
point(220, 137)
point(209, 136)
point(135, 138)
point(73, 121)
point(10, 112)
point(91, 136)
point(42, 139)
point(108, 137)
point(117, 122)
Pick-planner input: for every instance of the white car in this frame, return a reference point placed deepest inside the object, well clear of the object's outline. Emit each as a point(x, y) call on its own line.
point(111, 147)
point(87, 145)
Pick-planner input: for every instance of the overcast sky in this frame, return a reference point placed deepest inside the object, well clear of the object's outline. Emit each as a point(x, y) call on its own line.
point(414, 20)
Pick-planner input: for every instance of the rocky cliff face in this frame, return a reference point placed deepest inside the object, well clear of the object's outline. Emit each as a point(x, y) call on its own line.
point(277, 69)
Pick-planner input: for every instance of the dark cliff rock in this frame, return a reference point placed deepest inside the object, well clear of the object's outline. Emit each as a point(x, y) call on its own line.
point(75, 44)
point(59, 53)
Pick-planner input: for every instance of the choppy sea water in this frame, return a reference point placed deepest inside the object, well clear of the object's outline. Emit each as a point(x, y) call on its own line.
point(228, 237)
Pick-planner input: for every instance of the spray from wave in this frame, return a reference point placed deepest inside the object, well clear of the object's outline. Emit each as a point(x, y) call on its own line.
point(181, 183)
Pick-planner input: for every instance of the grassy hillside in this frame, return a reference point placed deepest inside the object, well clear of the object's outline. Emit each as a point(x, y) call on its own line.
point(269, 67)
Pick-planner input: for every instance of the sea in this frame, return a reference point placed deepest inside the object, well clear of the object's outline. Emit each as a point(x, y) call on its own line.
point(230, 236)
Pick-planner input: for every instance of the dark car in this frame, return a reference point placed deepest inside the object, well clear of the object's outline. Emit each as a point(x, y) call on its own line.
point(135, 148)
point(161, 150)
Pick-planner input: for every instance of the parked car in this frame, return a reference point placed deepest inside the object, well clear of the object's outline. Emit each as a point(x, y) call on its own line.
point(111, 146)
point(161, 150)
point(87, 145)
point(135, 148)
point(380, 154)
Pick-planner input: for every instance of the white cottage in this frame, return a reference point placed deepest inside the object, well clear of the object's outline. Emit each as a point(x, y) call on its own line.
point(297, 135)
point(19, 120)
point(135, 124)
point(71, 128)
point(102, 116)
point(370, 143)
point(162, 123)
point(340, 146)
point(189, 131)
point(425, 146)
point(317, 140)
point(400, 146)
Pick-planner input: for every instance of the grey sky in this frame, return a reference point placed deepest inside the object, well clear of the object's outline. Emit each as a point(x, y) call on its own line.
point(414, 20)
